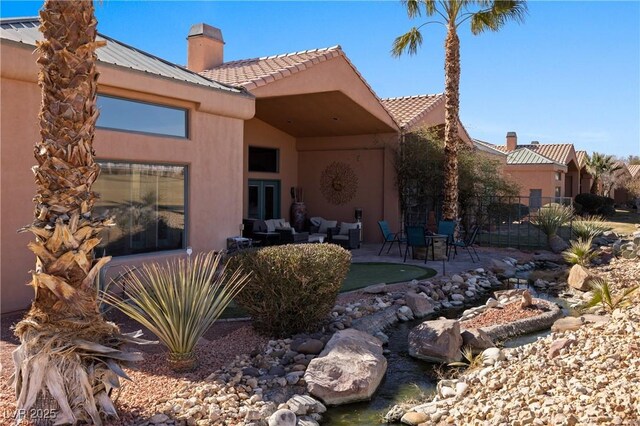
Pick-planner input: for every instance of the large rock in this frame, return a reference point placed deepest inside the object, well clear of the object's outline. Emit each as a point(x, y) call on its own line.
point(349, 369)
point(567, 324)
point(436, 341)
point(579, 278)
point(283, 418)
point(476, 339)
point(419, 305)
point(502, 269)
point(557, 244)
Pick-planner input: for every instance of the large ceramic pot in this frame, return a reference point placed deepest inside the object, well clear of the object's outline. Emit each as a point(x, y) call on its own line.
point(298, 215)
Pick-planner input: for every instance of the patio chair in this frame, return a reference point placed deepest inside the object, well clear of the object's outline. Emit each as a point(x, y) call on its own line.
point(448, 228)
point(468, 243)
point(389, 237)
point(416, 238)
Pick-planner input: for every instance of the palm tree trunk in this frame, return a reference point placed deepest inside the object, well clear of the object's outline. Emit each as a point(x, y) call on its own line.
point(66, 345)
point(594, 185)
point(452, 108)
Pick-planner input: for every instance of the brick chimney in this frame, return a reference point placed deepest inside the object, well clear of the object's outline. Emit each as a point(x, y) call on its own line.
point(205, 47)
point(512, 141)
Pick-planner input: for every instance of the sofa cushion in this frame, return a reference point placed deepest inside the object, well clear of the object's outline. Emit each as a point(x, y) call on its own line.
point(316, 221)
point(346, 227)
point(326, 224)
point(340, 237)
point(271, 225)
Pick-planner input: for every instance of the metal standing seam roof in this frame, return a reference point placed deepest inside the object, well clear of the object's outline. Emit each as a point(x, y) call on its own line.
point(527, 156)
point(487, 147)
point(25, 31)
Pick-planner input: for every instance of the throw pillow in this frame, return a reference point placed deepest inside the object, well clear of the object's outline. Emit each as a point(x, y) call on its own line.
point(346, 227)
point(326, 224)
point(271, 225)
point(316, 221)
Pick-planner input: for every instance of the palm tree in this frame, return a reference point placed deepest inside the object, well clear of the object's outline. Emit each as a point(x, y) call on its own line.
point(599, 165)
point(69, 355)
point(482, 15)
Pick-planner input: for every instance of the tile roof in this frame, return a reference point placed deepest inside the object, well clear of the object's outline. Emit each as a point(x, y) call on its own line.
point(558, 152)
point(409, 110)
point(634, 169)
point(582, 158)
point(256, 72)
point(525, 155)
point(25, 31)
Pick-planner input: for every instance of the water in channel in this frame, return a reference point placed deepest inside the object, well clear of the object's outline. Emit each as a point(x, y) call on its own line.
point(409, 378)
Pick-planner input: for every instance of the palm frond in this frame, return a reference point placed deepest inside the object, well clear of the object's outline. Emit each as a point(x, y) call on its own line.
point(413, 8)
point(579, 253)
point(498, 14)
point(602, 296)
point(409, 42)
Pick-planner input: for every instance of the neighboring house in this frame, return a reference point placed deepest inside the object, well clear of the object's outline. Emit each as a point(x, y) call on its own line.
point(614, 185)
point(585, 178)
point(169, 142)
point(634, 169)
point(544, 170)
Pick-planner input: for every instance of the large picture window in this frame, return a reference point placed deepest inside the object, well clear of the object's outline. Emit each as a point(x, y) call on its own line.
point(135, 116)
point(147, 202)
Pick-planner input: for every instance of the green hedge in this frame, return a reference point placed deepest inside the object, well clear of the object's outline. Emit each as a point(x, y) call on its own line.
point(292, 287)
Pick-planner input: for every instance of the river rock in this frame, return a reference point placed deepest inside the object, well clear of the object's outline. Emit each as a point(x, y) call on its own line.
point(283, 417)
point(419, 305)
point(579, 278)
point(502, 269)
point(491, 356)
point(436, 341)
point(414, 418)
point(349, 369)
point(557, 345)
point(476, 339)
point(567, 324)
point(375, 289)
point(311, 346)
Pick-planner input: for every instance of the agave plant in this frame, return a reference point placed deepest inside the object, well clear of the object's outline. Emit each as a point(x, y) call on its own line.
point(602, 295)
point(580, 252)
point(589, 227)
point(179, 301)
point(469, 360)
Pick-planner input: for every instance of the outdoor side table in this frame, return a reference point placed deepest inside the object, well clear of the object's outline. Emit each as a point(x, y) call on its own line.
point(238, 243)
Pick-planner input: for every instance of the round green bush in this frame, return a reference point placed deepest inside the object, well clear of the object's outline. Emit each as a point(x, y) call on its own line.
point(292, 287)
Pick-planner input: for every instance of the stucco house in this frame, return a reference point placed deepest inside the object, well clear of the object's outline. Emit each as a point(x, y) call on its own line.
point(170, 143)
point(545, 171)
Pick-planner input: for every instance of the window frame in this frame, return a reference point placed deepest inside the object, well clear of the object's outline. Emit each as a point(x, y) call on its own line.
point(277, 150)
point(187, 205)
point(187, 119)
point(558, 176)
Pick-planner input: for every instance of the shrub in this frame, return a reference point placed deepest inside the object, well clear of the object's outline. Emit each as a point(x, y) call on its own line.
point(580, 252)
point(607, 210)
point(178, 302)
point(551, 217)
point(292, 287)
point(589, 227)
point(602, 295)
point(590, 202)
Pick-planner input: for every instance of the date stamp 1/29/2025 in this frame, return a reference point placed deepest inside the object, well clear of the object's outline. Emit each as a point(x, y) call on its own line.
point(32, 414)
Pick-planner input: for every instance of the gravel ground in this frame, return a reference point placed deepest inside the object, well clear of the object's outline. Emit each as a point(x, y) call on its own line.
point(153, 381)
point(496, 316)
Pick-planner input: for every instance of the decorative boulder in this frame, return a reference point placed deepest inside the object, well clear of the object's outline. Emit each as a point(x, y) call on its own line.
point(579, 278)
point(477, 339)
point(283, 418)
point(557, 244)
point(349, 369)
point(502, 269)
point(419, 305)
point(525, 301)
point(567, 324)
point(436, 341)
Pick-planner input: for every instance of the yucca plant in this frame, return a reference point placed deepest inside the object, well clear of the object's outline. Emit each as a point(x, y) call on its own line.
point(179, 301)
point(469, 361)
point(579, 253)
point(551, 217)
point(602, 296)
point(589, 227)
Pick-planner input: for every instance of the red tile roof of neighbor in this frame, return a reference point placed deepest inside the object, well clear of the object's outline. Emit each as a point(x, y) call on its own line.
point(582, 158)
point(408, 110)
point(634, 169)
point(558, 152)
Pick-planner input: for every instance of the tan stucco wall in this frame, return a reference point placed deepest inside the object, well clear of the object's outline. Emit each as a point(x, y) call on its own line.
point(371, 159)
point(537, 176)
point(213, 154)
point(259, 133)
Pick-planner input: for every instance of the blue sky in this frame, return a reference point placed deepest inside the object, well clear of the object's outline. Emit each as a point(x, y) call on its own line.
point(570, 73)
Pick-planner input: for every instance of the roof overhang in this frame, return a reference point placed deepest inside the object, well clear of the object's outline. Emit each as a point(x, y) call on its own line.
point(330, 113)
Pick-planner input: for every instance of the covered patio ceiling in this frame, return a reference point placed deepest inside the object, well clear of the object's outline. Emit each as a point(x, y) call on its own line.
point(319, 114)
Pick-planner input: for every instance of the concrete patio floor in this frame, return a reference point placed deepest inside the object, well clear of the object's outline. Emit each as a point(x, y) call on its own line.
point(461, 263)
